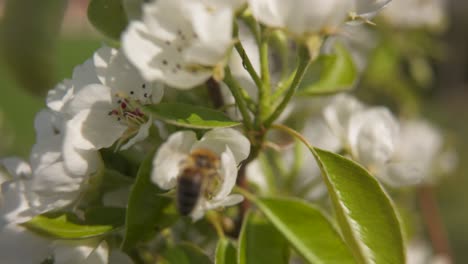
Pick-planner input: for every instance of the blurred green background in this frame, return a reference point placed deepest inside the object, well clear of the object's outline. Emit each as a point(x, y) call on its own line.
point(446, 104)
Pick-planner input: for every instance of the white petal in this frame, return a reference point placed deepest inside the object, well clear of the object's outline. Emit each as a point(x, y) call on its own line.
point(142, 134)
point(20, 246)
point(94, 95)
point(46, 152)
point(115, 71)
point(401, 174)
point(100, 255)
point(138, 45)
point(60, 95)
point(267, 12)
point(338, 113)
point(167, 162)
point(214, 31)
point(218, 139)
point(78, 161)
point(229, 174)
point(301, 16)
point(372, 135)
point(16, 167)
point(95, 129)
point(369, 8)
point(47, 124)
point(81, 252)
point(15, 207)
point(156, 47)
point(54, 178)
point(84, 75)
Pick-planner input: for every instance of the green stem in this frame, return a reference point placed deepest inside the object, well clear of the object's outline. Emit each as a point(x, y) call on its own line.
point(304, 62)
point(264, 89)
point(283, 86)
point(241, 104)
point(246, 63)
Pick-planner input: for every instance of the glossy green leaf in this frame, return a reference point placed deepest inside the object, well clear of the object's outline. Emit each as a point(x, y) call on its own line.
point(307, 230)
point(190, 116)
point(185, 253)
point(145, 207)
point(330, 74)
point(226, 253)
point(260, 242)
point(365, 214)
point(113, 216)
point(62, 228)
point(108, 16)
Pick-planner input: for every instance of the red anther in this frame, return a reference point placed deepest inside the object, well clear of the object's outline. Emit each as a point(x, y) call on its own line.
point(123, 105)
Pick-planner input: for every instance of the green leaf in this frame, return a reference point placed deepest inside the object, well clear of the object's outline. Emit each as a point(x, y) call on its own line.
point(145, 207)
point(365, 214)
point(108, 16)
point(185, 253)
point(190, 116)
point(225, 252)
point(113, 216)
point(260, 242)
point(330, 74)
point(307, 229)
point(62, 228)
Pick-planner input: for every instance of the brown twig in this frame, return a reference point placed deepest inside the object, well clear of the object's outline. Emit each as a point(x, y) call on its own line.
point(434, 223)
point(214, 92)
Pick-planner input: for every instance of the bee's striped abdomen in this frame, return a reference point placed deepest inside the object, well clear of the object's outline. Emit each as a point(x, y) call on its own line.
point(188, 192)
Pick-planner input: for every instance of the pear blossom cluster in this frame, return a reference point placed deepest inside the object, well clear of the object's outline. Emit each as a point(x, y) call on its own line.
point(104, 112)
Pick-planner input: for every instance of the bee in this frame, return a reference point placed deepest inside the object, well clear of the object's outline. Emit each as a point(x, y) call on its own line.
point(199, 177)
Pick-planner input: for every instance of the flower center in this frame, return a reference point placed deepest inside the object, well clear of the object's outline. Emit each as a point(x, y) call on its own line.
point(128, 112)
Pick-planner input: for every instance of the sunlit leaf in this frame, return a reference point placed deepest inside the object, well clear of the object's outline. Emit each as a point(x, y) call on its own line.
point(331, 73)
point(190, 116)
point(365, 214)
point(307, 230)
point(60, 227)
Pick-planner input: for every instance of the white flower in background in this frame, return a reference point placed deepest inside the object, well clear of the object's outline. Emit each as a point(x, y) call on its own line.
point(419, 252)
point(181, 43)
point(416, 13)
point(304, 18)
point(419, 155)
point(230, 147)
point(369, 134)
point(108, 111)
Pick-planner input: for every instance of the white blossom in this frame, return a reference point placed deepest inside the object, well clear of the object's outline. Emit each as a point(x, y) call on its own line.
point(429, 14)
point(181, 43)
point(368, 134)
point(418, 156)
point(107, 111)
point(229, 145)
point(304, 18)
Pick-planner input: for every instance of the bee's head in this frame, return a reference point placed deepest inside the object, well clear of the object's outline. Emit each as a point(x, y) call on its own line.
point(204, 158)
